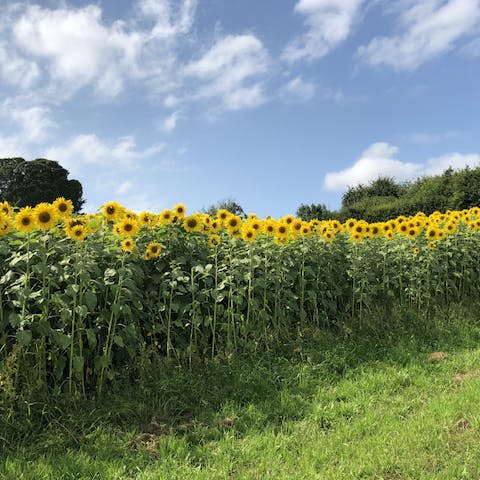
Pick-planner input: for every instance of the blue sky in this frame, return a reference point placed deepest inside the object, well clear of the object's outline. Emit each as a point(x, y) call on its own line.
point(271, 102)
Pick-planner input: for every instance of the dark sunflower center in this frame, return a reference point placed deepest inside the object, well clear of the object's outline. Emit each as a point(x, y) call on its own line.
point(110, 210)
point(154, 249)
point(26, 221)
point(78, 232)
point(63, 207)
point(44, 217)
point(192, 223)
point(282, 229)
point(128, 227)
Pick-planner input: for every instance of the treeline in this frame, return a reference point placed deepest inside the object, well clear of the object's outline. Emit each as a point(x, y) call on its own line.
point(384, 198)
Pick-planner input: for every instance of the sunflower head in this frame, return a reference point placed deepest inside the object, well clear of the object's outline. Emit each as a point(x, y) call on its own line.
point(112, 211)
point(270, 227)
point(165, 216)
point(25, 220)
point(5, 224)
point(63, 208)
point(214, 241)
point(192, 223)
point(6, 208)
point(78, 232)
point(146, 218)
point(154, 249)
point(45, 216)
point(248, 234)
point(128, 227)
point(223, 214)
point(128, 245)
point(179, 210)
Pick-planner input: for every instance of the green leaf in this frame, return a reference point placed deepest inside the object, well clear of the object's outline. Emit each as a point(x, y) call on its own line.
point(24, 337)
point(90, 300)
point(78, 363)
point(118, 341)
point(92, 339)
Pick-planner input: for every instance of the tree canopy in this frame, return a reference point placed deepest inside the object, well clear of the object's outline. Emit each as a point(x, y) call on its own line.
point(27, 183)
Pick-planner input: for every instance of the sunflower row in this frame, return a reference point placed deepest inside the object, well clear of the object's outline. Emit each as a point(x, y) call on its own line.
point(127, 224)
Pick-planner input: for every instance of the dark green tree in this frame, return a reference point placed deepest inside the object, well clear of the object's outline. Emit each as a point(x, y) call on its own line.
point(318, 211)
point(229, 204)
point(27, 183)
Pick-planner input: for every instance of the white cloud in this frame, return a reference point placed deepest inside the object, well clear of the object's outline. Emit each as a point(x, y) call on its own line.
point(171, 121)
point(472, 49)
point(378, 160)
point(428, 29)
point(298, 90)
point(169, 22)
point(84, 150)
point(230, 70)
point(328, 22)
point(36, 122)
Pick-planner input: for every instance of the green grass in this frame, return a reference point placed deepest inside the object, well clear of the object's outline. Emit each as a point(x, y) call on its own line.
point(363, 403)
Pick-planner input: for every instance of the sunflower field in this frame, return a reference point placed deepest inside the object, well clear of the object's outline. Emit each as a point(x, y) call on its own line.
point(86, 298)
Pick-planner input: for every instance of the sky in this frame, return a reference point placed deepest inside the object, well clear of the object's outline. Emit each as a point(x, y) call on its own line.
point(272, 103)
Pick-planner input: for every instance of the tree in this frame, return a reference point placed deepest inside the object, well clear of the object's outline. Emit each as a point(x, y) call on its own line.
point(228, 204)
point(27, 183)
point(318, 211)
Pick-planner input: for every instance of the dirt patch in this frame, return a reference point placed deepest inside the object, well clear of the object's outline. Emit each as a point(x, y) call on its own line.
point(437, 356)
point(464, 375)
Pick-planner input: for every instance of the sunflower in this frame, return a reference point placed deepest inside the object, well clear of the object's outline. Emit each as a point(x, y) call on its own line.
point(270, 227)
point(45, 216)
point(248, 233)
point(451, 227)
point(179, 210)
point(6, 208)
point(375, 230)
point(146, 218)
point(128, 245)
point(25, 220)
point(356, 236)
point(280, 241)
point(112, 211)
point(78, 232)
point(296, 226)
point(154, 248)
point(165, 216)
point(288, 219)
point(63, 208)
point(350, 223)
point(416, 251)
point(432, 233)
point(215, 225)
point(402, 228)
point(128, 227)
point(223, 214)
point(256, 224)
point(147, 255)
point(412, 232)
point(282, 230)
point(233, 223)
point(214, 241)
point(5, 224)
point(431, 245)
point(192, 223)
point(389, 234)
point(328, 235)
point(207, 220)
point(252, 216)
point(306, 229)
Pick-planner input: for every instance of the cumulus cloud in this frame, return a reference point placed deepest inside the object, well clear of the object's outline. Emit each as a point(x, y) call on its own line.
point(230, 70)
point(61, 50)
point(428, 29)
point(378, 160)
point(328, 22)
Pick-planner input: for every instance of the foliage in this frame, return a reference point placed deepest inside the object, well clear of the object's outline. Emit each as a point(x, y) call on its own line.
point(229, 204)
point(84, 298)
point(365, 402)
point(318, 211)
point(27, 183)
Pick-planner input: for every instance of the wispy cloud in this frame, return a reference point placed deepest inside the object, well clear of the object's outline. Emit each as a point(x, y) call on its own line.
point(298, 90)
point(328, 23)
point(427, 30)
point(231, 70)
point(84, 150)
point(379, 160)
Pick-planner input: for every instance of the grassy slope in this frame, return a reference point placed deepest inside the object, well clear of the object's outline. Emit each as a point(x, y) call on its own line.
point(365, 404)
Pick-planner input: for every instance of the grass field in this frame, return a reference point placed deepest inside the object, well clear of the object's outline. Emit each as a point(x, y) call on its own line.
point(365, 402)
